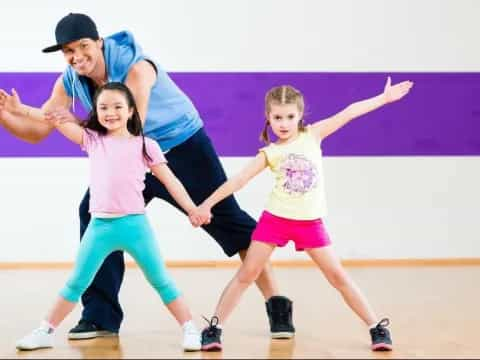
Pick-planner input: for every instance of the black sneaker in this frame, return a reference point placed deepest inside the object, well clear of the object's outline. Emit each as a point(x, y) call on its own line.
point(211, 336)
point(88, 330)
point(279, 310)
point(381, 340)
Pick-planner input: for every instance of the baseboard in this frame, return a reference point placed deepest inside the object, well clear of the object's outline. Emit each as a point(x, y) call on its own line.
point(275, 263)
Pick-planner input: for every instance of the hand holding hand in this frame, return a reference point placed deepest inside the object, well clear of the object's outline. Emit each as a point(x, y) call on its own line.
point(200, 216)
point(59, 116)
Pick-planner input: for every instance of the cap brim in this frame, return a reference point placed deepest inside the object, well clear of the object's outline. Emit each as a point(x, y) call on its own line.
point(52, 48)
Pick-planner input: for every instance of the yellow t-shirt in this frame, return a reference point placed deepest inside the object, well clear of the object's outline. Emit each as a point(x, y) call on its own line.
point(299, 185)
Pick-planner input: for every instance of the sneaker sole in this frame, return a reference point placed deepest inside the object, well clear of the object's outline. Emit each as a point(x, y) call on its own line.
point(24, 348)
point(282, 335)
point(212, 347)
point(192, 348)
point(382, 347)
point(91, 335)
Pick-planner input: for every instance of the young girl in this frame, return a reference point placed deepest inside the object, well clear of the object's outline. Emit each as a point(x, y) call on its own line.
point(119, 158)
point(296, 204)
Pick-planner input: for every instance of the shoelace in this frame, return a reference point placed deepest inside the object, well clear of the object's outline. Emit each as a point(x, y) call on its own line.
point(382, 324)
point(212, 325)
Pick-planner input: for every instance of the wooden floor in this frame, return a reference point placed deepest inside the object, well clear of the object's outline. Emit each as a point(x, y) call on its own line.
point(434, 313)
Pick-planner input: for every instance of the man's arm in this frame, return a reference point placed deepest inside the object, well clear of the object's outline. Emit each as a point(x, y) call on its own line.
point(140, 80)
point(28, 122)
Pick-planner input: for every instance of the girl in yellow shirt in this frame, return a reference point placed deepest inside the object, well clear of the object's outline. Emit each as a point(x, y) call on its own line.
point(296, 206)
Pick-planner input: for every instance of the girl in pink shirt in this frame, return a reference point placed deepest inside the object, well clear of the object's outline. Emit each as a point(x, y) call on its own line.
point(119, 157)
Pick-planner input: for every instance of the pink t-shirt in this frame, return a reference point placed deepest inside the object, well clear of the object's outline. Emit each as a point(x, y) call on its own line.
point(117, 171)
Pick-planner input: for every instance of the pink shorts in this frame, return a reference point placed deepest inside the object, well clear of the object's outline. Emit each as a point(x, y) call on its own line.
point(306, 234)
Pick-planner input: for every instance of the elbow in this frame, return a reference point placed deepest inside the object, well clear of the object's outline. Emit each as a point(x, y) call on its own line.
point(35, 138)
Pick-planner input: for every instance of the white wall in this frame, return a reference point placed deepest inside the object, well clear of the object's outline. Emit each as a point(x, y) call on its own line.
point(380, 207)
point(261, 35)
point(385, 207)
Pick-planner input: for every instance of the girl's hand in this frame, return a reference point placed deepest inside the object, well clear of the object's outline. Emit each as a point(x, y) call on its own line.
point(397, 91)
point(205, 213)
point(59, 116)
point(200, 216)
point(11, 104)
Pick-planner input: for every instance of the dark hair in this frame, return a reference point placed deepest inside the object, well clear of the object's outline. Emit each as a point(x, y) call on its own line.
point(134, 123)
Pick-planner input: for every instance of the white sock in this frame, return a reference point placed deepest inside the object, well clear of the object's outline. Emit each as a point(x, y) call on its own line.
point(189, 325)
point(47, 326)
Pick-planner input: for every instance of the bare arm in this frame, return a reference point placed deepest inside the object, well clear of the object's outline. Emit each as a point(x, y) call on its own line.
point(174, 187)
point(66, 123)
point(140, 80)
point(28, 122)
point(323, 128)
point(237, 182)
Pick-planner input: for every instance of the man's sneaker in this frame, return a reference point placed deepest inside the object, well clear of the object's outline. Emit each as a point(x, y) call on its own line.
point(211, 336)
point(38, 339)
point(191, 338)
point(88, 330)
point(279, 310)
point(381, 340)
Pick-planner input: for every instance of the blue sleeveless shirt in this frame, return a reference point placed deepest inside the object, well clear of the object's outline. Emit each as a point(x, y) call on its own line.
point(171, 116)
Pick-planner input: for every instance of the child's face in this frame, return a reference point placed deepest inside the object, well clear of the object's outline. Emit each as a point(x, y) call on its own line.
point(284, 119)
point(113, 111)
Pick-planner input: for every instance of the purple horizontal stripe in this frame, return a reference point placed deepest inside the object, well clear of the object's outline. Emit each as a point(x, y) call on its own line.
point(440, 116)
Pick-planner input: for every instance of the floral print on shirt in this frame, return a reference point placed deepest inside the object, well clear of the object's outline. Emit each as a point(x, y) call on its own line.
point(299, 174)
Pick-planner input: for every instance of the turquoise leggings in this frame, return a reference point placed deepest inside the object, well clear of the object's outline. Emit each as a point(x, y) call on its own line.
point(131, 233)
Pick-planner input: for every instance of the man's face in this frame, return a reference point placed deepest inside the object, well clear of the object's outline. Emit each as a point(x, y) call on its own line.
point(83, 55)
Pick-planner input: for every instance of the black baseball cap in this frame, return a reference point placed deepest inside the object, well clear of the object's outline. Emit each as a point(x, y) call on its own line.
point(73, 27)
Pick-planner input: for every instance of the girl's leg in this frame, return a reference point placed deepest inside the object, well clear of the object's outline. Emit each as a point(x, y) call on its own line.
point(146, 252)
point(101, 312)
point(144, 249)
point(266, 282)
point(179, 309)
point(93, 249)
point(336, 275)
point(59, 311)
point(257, 256)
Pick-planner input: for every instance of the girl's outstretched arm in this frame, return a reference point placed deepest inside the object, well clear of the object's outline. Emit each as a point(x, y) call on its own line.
point(323, 128)
point(175, 188)
point(66, 123)
point(234, 184)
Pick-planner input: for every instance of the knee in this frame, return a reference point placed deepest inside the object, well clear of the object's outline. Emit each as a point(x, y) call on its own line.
point(338, 278)
point(248, 274)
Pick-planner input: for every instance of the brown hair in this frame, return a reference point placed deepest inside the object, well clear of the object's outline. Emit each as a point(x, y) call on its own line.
point(282, 95)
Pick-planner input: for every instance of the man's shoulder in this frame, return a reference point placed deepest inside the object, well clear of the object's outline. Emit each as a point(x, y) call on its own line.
point(120, 38)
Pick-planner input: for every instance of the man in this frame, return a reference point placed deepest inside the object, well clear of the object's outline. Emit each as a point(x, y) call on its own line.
point(171, 119)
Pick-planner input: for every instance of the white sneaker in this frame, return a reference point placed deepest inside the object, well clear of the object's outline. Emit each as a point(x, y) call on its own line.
point(191, 339)
point(37, 339)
